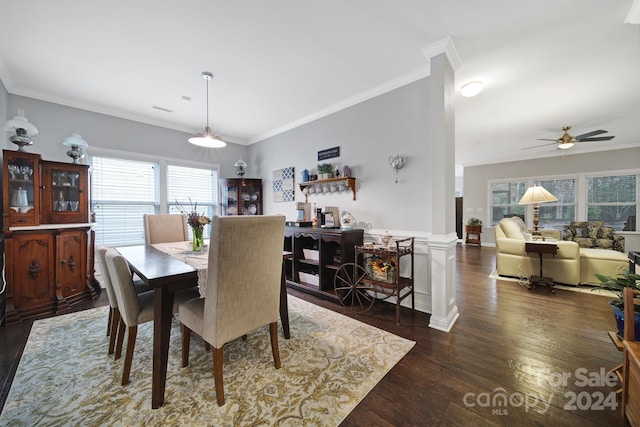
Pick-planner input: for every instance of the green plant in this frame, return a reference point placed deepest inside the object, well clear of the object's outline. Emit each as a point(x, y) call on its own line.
point(617, 284)
point(325, 168)
point(474, 221)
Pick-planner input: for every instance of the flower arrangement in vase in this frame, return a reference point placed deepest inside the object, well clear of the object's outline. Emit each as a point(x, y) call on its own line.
point(196, 221)
point(382, 268)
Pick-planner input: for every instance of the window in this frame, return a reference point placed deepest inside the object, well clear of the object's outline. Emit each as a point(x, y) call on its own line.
point(504, 200)
point(613, 199)
point(121, 192)
point(558, 214)
point(192, 188)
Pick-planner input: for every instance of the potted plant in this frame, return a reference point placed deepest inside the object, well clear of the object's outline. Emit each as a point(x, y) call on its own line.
point(474, 225)
point(325, 171)
point(617, 285)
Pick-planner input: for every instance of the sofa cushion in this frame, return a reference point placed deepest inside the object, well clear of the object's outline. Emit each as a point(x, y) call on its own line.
point(512, 228)
point(584, 242)
point(600, 232)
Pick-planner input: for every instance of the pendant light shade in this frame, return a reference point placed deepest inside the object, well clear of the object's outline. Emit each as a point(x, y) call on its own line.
point(207, 138)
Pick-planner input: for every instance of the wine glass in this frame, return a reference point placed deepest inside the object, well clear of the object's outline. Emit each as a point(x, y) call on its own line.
point(26, 172)
point(13, 171)
point(73, 177)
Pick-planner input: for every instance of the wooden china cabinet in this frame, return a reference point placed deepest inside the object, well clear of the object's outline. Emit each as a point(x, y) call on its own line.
point(241, 196)
point(48, 236)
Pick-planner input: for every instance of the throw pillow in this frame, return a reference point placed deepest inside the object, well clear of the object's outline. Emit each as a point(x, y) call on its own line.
point(603, 243)
point(511, 229)
point(584, 242)
point(601, 232)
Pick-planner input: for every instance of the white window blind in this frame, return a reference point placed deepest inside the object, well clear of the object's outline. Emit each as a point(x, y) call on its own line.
point(122, 191)
point(192, 188)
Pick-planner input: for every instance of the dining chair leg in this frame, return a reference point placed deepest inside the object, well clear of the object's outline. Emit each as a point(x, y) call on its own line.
point(115, 321)
point(128, 357)
point(217, 374)
point(186, 341)
point(273, 331)
point(244, 337)
point(121, 329)
point(109, 321)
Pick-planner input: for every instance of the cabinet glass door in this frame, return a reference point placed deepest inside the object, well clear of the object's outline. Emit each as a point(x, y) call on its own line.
point(250, 201)
point(64, 193)
point(23, 198)
point(241, 196)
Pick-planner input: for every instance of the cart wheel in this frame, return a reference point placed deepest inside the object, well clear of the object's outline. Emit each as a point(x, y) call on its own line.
point(351, 289)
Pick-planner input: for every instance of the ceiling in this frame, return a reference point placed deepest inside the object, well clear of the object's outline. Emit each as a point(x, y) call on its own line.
point(281, 63)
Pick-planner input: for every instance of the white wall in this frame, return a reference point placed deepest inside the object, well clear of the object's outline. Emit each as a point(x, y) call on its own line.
point(55, 122)
point(367, 134)
point(476, 178)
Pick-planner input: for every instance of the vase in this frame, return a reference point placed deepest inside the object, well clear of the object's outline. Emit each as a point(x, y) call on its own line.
point(198, 240)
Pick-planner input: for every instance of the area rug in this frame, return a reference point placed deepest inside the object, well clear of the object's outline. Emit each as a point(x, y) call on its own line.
point(329, 365)
point(580, 288)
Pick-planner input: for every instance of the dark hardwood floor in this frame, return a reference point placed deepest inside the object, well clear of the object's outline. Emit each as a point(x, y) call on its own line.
point(508, 353)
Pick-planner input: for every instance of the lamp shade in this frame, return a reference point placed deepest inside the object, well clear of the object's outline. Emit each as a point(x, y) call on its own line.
point(75, 140)
point(207, 139)
point(20, 122)
point(537, 194)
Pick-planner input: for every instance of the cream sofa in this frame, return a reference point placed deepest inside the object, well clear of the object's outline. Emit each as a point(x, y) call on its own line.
point(572, 265)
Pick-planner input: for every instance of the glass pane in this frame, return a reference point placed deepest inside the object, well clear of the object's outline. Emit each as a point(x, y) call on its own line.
point(504, 200)
point(563, 189)
point(612, 199)
point(21, 190)
point(556, 217)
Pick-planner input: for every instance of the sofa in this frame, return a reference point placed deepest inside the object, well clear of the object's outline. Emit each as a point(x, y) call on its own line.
point(572, 265)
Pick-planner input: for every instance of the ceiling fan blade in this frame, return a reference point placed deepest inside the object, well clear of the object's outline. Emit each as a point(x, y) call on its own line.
point(600, 138)
point(545, 139)
point(543, 145)
point(589, 134)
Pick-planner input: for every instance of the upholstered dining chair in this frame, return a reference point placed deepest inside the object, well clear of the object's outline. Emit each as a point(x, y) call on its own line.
point(164, 228)
point(114, 314)
point(243, 288)
point(134, 308)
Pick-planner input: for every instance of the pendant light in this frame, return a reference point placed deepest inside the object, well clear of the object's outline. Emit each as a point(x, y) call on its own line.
point(207, 138)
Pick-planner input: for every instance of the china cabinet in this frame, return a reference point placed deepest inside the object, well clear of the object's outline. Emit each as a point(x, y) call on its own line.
point(317, 255)
point(48, 236)
point(242, 196)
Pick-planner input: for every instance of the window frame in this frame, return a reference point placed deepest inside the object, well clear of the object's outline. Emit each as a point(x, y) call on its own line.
point(161, 178)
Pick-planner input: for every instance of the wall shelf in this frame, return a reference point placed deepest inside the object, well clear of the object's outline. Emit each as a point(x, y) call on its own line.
point(338, 184)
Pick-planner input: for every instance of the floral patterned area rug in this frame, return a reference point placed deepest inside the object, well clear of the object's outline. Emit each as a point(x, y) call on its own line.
point(331, 362)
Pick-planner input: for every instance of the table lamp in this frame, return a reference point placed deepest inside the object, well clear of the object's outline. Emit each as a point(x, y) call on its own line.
point(534, 196)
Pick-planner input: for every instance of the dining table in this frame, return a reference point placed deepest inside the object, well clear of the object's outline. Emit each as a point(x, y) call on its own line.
point(168, 268)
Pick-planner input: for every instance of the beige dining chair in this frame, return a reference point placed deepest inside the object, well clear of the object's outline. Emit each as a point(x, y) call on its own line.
point(134, 308)
point(164, 228)
point(238, 300)
point(114, 314)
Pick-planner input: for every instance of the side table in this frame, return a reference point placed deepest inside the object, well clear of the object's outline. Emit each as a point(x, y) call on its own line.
point(541, 248)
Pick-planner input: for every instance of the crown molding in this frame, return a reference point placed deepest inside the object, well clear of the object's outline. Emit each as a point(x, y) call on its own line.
point(633, 17)
point(348, 102)
point(447, 47)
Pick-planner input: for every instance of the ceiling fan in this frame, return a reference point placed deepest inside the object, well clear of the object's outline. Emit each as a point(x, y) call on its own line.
point(566, 141)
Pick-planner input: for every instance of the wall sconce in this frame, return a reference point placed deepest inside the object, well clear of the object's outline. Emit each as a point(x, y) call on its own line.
point(397, 163)
point(241, 167)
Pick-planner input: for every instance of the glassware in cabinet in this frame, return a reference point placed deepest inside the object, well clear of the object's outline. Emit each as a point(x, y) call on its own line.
point(21, 188)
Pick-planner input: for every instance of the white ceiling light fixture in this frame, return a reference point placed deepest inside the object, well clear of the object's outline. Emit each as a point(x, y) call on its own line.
point(207, 138)
point(471, 89)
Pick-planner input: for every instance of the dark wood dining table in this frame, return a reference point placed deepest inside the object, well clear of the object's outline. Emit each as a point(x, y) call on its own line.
point(166, 275)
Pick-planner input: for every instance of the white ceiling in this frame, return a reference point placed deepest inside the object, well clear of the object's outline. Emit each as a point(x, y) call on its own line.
point(280, 63)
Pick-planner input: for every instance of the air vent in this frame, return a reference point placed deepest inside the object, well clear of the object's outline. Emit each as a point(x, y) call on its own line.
point(166, 110)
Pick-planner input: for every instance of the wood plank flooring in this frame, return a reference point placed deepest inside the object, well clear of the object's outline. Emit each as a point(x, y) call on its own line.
point(509, 343)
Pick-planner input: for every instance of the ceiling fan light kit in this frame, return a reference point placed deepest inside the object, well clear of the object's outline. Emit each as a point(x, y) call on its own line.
point(207, 138)
point(567, 141)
